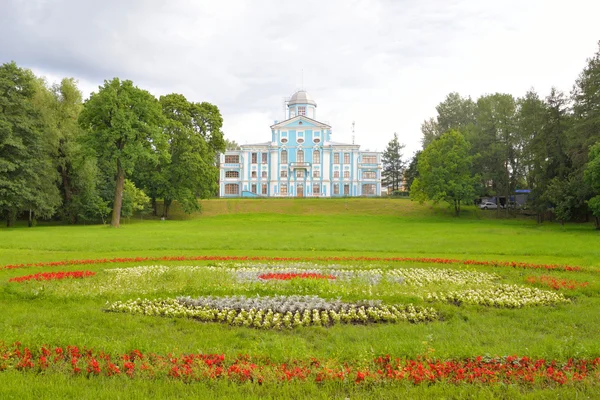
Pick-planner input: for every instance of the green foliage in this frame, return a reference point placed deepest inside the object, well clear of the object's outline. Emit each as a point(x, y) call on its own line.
point(123, 126)
point(134, 200)
point(411, 173)
point(455, 112)
point(231, 145)
point(194, 141)
point(592, 177)
point(27, 177)
point(445, 172)
point(393, 165)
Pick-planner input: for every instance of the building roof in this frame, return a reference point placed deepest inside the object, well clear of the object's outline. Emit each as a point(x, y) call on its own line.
point(264, 144)
point(301, 97)
point(340, 144)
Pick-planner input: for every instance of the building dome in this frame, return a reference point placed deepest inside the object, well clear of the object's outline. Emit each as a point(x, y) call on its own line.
point(301, 97)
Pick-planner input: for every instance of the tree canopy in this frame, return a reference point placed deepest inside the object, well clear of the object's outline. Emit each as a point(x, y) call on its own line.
point(445, 172)
point(123, 125)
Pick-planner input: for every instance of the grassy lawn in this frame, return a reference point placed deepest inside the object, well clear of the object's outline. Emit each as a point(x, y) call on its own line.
point(72, 312)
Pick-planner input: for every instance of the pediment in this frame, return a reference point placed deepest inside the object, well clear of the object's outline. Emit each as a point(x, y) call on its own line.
point(300, 122)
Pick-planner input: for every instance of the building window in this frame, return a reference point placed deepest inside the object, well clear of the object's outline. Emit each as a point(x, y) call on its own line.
point(301, 110)
point(264, 188)
point(346, 174)
point(346, 190)
point(316, 173)
point(253, 174)
point(336, 158)
point(254, 158)
point(283, 190)
point(232, 159)
point(369, 175)
point(299, 173)
point(232, 174)
point(254, 188)
point(264, 158)
point(284, 156)
point(336, 174)
point(369, 159)
point(316, 188)
point(300, 157)
point(283, 173)
point(368, 189)
point(336, 188)
point(346, 158)
point(263, 174)
point(232, 188)
point(316, 157)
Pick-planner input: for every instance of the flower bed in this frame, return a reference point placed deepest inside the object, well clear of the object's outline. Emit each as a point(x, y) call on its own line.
point(508, 296)
point(427, 260)
point(47, 276)
point(276, 312)
point(286, 276)
point(556, 283)
point(500, 371)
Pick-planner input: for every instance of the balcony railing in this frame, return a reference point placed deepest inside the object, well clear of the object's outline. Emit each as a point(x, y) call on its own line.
point(300, 165)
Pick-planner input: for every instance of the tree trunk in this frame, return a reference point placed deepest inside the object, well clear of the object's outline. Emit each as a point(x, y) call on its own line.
point(597, 223)
point(154, 211)
point(30, 220)
point(116, 212)
point(10, 218)
point(166, 206)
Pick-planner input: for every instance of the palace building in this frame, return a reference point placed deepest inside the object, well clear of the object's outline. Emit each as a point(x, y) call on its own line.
point(300, 160)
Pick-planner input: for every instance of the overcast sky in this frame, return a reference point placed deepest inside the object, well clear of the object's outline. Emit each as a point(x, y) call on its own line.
point(383, 64)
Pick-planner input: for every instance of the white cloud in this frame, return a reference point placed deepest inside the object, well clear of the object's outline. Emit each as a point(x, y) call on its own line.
point(383, 64)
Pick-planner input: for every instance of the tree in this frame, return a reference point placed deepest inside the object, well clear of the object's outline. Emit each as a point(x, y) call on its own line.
point(194, 140)
point(134, 199)
point(123, 125)
point(592, 176)
point(27, 177)
point(231, 145)
point(411, 173)
point(445, 172)
point(455, 112)
point(494, 138)
point(430, 132)
point(393, 165)
point(586, 110)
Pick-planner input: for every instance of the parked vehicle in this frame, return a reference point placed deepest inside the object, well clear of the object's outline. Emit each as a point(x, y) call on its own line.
point(488, 205)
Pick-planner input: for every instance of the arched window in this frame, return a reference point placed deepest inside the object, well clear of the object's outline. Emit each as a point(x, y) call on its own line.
point(300, 157)
point(316, 157)
point(284, 156)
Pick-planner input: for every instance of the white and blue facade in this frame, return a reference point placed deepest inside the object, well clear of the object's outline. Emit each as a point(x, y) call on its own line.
point(300, 160)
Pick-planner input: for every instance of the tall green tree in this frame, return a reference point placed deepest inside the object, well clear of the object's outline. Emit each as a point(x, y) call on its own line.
point(445, 172)
point(530, 122)
point(412, 171)
point(123, 125)
point(592, 177)
point(586, 111)
point(455, 112)
point(194, 140)
point(494, 138)
point(27, 176)
point(392, 174)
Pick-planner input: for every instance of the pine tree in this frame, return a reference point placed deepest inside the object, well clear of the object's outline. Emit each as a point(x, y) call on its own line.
point(393, 165)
